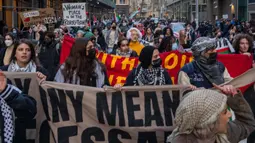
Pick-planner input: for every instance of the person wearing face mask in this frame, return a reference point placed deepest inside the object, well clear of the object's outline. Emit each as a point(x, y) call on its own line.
point(6, 52)
point(15, 33)
point(112, 37)
point(134, 36)
point(205, 70)
point(149, 71)
point(82, 67)
point(49, 54)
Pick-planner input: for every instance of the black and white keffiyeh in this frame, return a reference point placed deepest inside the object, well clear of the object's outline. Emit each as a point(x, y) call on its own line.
point(8, 118)
point(14, 67)
point(150, 76)
point(124, 54)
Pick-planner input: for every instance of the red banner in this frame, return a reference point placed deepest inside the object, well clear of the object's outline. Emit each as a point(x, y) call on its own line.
point(118, 67)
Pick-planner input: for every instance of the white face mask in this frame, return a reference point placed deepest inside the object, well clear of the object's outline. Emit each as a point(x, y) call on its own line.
point(8, 43)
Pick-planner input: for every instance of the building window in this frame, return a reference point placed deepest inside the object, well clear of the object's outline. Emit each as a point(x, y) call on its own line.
point(122, 2)
point(251, 1)
point(252, 16)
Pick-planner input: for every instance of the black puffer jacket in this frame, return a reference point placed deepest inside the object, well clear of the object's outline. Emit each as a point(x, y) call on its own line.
point(24, 108)
point(49, 58)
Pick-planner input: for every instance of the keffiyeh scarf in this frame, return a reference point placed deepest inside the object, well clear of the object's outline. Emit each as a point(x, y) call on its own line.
point(8, 119)
point(14, 67)
point(124, 54)
point(150, 76)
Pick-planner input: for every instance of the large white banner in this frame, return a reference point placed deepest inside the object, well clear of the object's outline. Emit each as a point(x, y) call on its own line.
point(74, 14)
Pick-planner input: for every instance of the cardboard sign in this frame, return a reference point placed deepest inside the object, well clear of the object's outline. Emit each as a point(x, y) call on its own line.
point(43, 16)
point(74, 14)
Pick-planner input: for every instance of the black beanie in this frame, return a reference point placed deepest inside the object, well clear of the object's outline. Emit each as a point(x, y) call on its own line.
point(146, 56)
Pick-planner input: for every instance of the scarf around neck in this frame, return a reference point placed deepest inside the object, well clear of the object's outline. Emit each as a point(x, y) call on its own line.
point(14, 67)
point(150, 76)
point(8, 119)
point(211, 72)
point(124, 54)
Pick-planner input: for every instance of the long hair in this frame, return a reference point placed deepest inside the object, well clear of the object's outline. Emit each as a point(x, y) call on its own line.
point(79, 64)
point(166, 44)
point(165, 30)
point(12, 37)
point(32, 49)
point(100, 34)
point(237, 40)
point(146, 29)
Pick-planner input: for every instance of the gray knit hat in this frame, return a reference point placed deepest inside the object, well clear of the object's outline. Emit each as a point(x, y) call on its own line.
point(202, 44)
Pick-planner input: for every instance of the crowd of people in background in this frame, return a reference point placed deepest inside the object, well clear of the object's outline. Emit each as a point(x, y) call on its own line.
point(37, 49)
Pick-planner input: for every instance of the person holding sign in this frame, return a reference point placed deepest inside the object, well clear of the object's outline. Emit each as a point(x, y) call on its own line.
point(243, 44)
point(24, 107)
point(82, 67)
point(203, 117)
point(205, 70)
point(123, 49)
point(23, 59)
point(149, 71)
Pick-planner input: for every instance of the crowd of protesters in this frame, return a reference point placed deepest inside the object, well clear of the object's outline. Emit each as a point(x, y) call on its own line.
point(38, 50)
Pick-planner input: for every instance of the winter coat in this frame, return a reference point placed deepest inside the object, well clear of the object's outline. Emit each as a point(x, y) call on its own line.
point(49, 58)
point(24, 108)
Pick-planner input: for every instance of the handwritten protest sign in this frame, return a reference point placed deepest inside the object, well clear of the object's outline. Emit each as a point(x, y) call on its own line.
point(43, 16)
point(74, 14)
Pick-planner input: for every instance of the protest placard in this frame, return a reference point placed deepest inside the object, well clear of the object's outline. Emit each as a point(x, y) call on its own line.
point(74, 14)
point(43, 16)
